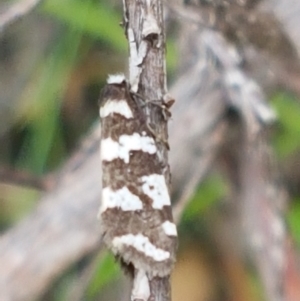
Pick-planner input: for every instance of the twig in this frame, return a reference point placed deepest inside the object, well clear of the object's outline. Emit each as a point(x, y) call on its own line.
point(16, 11)
point(143, 24)
point(203, 166)
point(263, 203)
point(23, 178)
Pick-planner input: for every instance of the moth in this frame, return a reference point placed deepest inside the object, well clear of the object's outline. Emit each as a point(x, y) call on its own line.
point(135, 213)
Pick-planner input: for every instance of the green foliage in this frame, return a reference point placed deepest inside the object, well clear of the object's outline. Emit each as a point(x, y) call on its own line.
point(47, 85)
point(293, 219)
point(207, 195)
point(107, 270)
point(45, 101)
point(171, 57)
point(90, 17)
point(16, 203)
point(287, 140)
point(61, 292)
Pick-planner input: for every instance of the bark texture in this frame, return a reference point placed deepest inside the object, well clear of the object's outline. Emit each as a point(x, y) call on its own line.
point(144, 28)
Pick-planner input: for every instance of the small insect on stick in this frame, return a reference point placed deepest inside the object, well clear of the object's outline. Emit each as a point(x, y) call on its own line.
point(135, 213)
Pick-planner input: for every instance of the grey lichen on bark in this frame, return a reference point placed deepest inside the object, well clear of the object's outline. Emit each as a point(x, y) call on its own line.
point(144, 28)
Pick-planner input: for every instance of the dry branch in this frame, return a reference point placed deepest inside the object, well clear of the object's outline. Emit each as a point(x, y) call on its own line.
point(144, 28)
point(21, 178)
point(60, 231)
point(16, 11)
point(263, 203)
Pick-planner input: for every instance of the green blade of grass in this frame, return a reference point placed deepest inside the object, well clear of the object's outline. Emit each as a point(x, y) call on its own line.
point(107, 270)
point(102, 21)
point(208, 194)
point(288, 109)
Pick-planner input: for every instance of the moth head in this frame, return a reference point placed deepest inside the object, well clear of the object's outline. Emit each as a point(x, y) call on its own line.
point(116, 79)
point(115, 89)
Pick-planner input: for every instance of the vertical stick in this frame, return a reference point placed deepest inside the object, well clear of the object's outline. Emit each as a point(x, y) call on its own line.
point(143, 21)
point(144, 28)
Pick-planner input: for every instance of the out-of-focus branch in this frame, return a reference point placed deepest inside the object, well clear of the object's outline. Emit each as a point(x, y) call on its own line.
point(265, 31)
point(260, 190)
point(263, 203)
point(62, 229)
point(17, 177)
point(16, 11)
point(262, 194)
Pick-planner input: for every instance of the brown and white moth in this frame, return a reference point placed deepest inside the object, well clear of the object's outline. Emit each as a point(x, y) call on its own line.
point(135, 212)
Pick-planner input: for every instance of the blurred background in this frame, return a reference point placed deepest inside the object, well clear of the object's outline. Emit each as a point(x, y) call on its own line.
point(53, 63)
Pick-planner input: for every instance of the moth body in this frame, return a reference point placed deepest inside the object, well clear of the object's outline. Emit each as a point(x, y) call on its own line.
point(135, 212)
